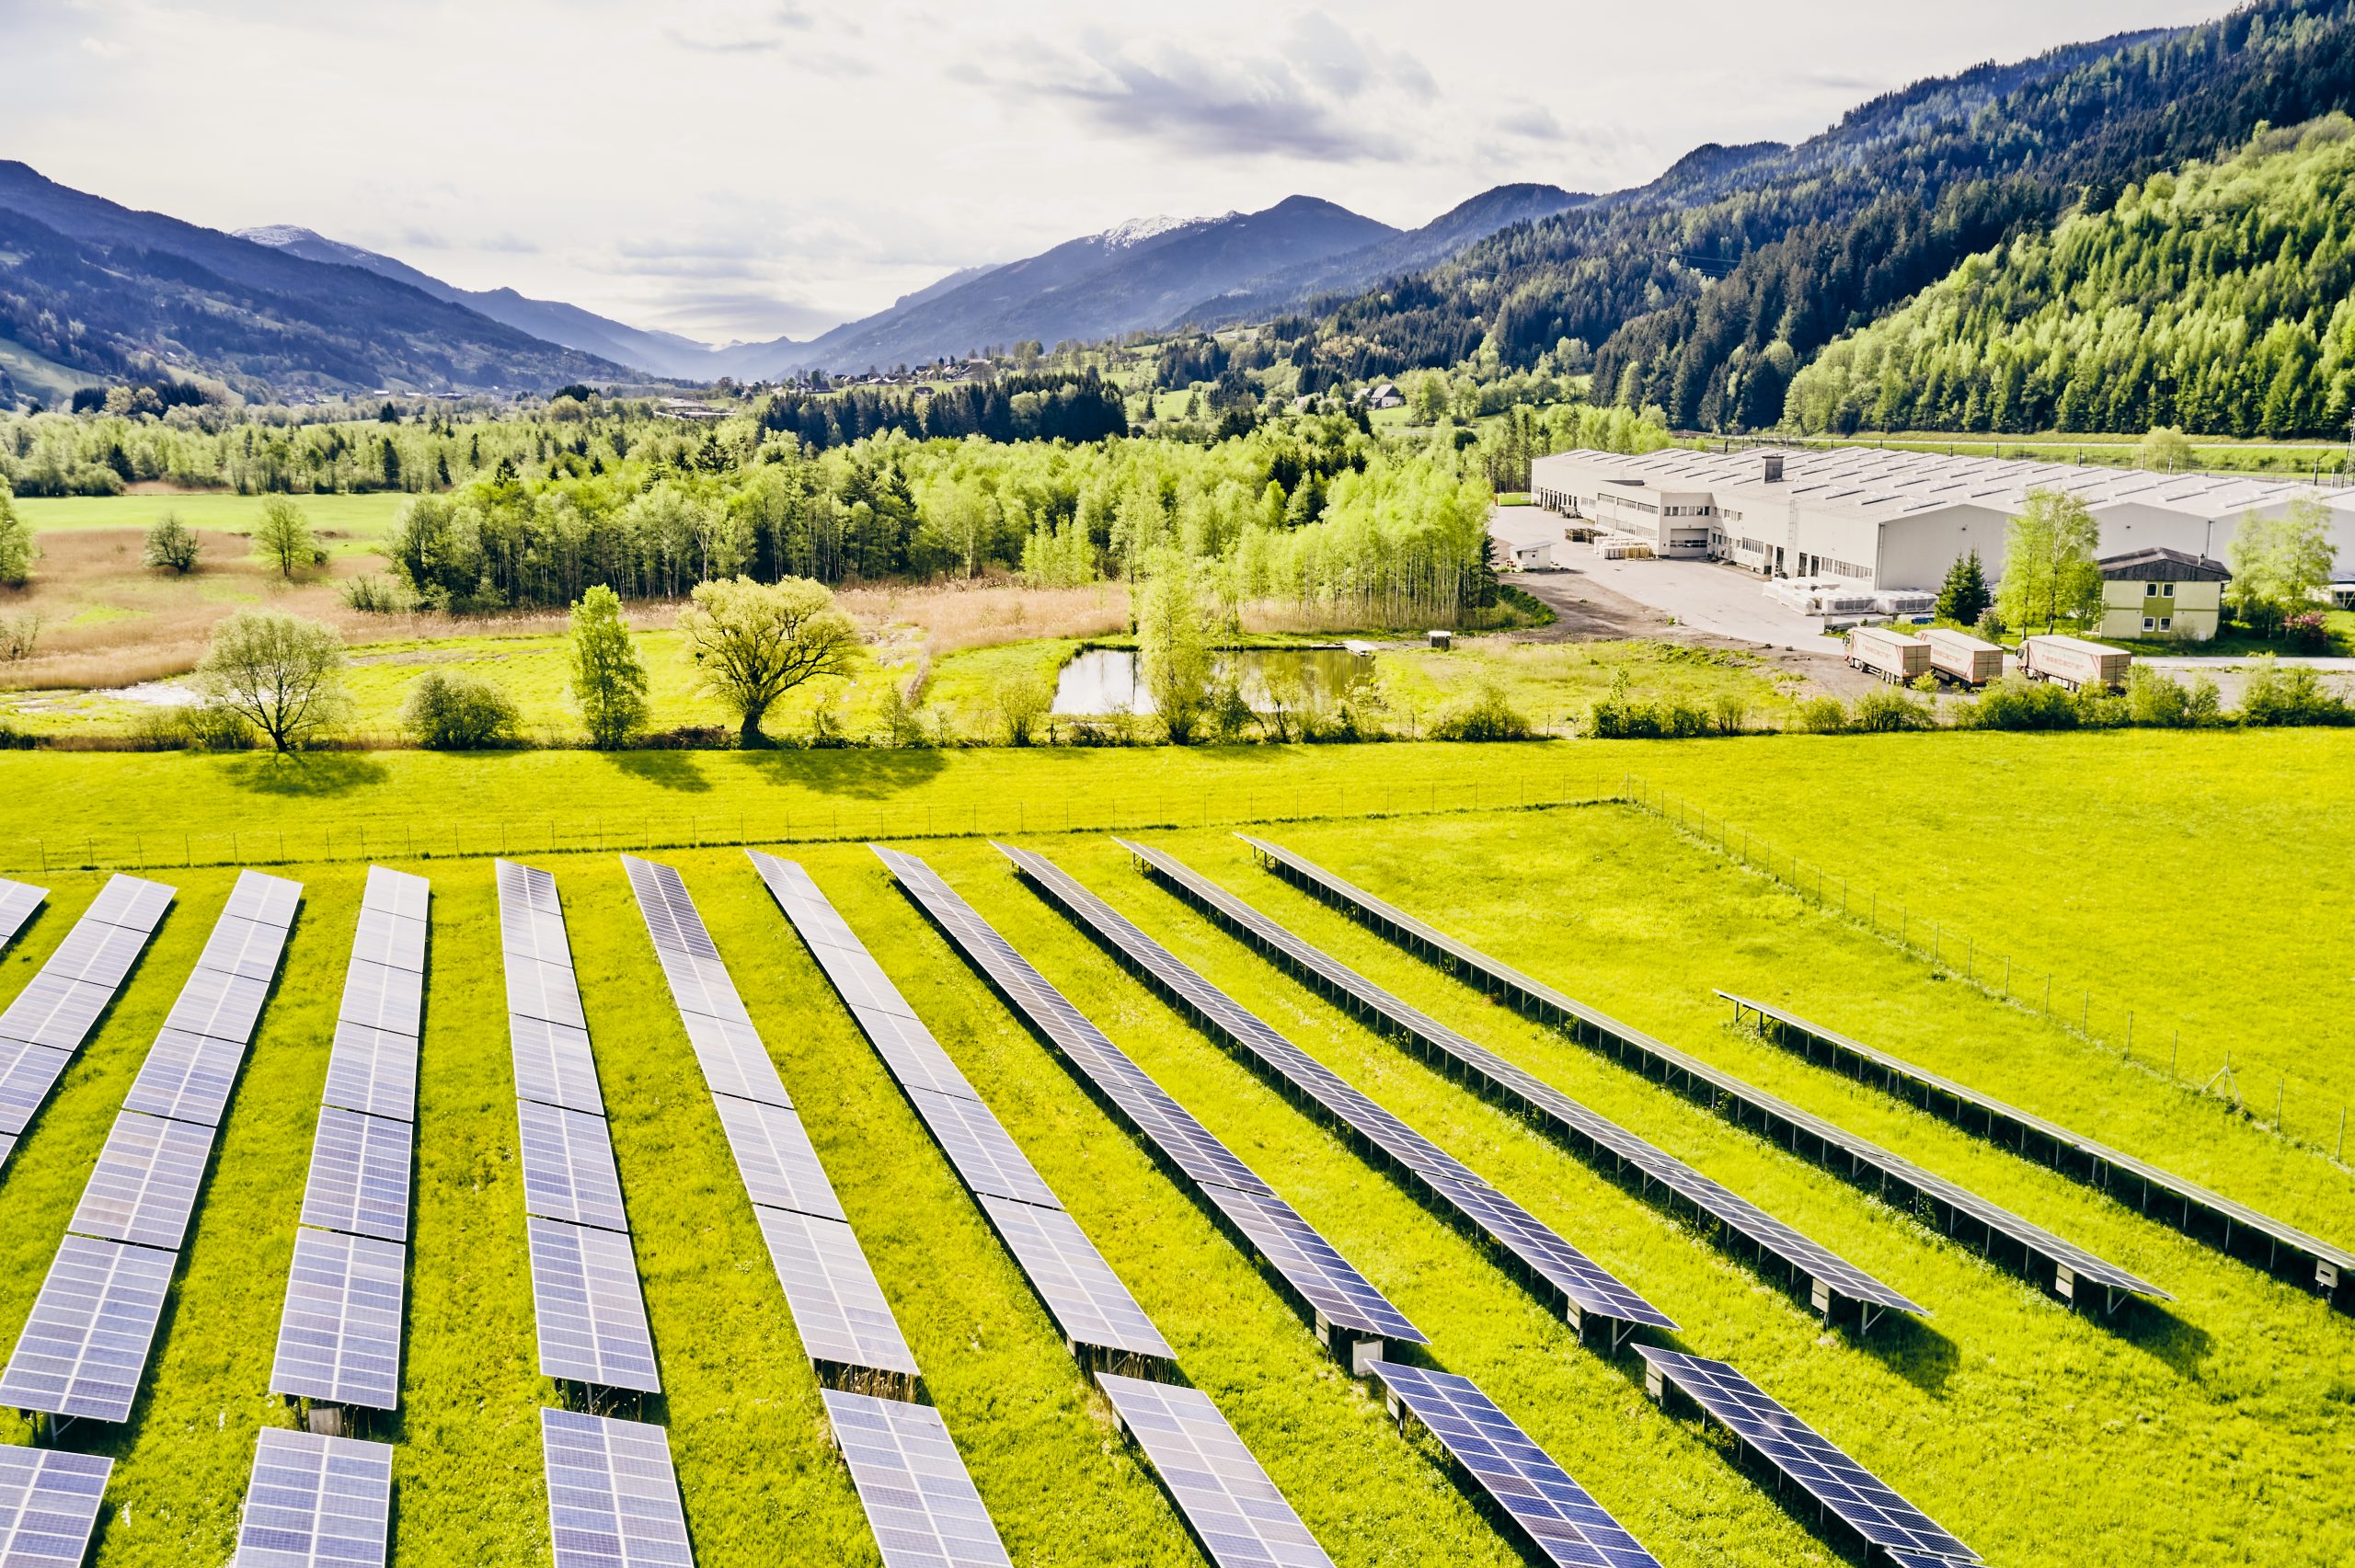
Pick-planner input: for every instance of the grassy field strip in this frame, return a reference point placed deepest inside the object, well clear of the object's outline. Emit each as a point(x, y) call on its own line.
point(2214, 1408)
point(363, 517)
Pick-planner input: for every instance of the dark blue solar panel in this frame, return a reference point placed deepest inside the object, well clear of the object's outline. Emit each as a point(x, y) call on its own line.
point(49, 1505)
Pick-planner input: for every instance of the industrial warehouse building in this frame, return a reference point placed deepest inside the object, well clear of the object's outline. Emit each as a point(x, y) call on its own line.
point(1886, 520)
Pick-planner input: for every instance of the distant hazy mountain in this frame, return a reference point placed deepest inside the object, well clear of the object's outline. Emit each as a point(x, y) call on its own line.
point(552, 321)
point(115, 292)
point(1397, 254)
point(1140, 276)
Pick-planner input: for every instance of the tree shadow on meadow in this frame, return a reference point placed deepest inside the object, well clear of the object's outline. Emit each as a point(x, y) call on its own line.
point(308, 775)
point(862, 774)
point(680, 771)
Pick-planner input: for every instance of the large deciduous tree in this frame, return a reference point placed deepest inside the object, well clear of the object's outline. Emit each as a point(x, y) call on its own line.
point(754, 642)
point(2049, 575)
point(15, 541)
point(282, 537)
point(2278, 564)
point(608, 678)
point(276, 672)
point(1173, 644)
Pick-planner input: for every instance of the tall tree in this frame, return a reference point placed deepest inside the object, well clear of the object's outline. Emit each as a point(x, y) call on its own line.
point(608, 679)
point(1173, 645)
point(283, 536)
point(754, 642)
point(278, 673)
point(2049, 574)
point(15, 541)
point(171, 545)
point(1964, 596)
point(2279, 563)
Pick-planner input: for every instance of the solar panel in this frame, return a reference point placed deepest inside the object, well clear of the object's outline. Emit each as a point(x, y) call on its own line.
point(382, 996)
point(553, 1064)
point(7, 1146)
point(1590, 1289)
point(911, 1053)
point(316, 1502)
point(54, 1011)
point(733, 1059)
point(1315, 1272)
point(271, 900)
point(18, 902)
point(1850, 1492)
point(1836, 1148)
point(402, 893)
point(918, 1497)
point(1558, 1516)
point(1086, 1300)
point(613, 1495)
point(592, 1318)
point(1233, 1508)
point(49, 1505)
point(701, 985)
point(95, 953)
point(360, 1175)
point(85, 1343)
point(774, 1157)
point(527, 886)
point(838, 1308)
point(812, 914)
point(568, 1171)
point(223, 1005)
point(1589, 1132)
point(339, 1336)
point(132, 902)
point(980, 1148)
point(386, 938)
point(187, 1077)
point(373, 1071)
point(144, 1186)
point(240, 946)
point(26, 1072)
point(545, 991)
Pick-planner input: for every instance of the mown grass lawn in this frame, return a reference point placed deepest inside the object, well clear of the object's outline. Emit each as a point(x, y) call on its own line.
point(2217, 1429)
point(359, 518)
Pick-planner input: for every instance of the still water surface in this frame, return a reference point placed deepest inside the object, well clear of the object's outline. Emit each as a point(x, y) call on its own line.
point(1103, 681)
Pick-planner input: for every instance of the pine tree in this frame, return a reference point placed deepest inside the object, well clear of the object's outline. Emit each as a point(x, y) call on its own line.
point(1964, 596)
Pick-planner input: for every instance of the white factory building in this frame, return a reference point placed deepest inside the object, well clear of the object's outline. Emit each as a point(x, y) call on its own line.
point(1892, 519)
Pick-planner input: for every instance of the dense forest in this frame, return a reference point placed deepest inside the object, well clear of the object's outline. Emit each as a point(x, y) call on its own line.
point(2215, 298)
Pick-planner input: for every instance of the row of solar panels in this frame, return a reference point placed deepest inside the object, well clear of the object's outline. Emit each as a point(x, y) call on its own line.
point(18, 900)
point(84, 1348)
point(919, 1502)
point(1585, 1288)
point(1836, 1148)
point(2196, 1210)
point(46, 1023)
point(1226, 1497)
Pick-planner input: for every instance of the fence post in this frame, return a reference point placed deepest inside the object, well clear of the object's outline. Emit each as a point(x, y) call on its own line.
point(2086, 1017)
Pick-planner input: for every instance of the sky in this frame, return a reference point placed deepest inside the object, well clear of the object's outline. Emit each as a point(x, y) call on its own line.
point(745, 169)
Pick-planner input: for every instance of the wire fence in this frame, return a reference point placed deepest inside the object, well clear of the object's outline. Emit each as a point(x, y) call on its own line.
point(832, 821)
point(2147, 1041)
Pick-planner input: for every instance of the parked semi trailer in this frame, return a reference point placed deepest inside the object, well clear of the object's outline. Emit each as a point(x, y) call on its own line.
point(1889, 653)
point(1963, 658)
point(2074, 663)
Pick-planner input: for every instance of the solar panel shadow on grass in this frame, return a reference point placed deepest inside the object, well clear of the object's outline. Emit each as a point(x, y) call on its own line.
point(1585, 1131)
point(45, 1023)
point(84, 1351)
point(1583, 1289)
point(2035, 1251)
point(1351, 1316)
point(2205, 1216)
point(1866, 1506)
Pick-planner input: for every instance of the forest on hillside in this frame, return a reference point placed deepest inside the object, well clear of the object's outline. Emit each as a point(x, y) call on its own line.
point(2215, 298)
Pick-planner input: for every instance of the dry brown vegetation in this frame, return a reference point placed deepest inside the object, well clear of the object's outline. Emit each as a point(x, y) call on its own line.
point(992, 610)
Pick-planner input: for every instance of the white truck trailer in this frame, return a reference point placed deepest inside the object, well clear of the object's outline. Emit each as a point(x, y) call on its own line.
point(1889, 653)
point(1963, 658)
point(2074, 663)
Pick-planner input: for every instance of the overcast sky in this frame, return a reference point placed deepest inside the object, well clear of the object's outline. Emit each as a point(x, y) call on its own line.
point(743, 168)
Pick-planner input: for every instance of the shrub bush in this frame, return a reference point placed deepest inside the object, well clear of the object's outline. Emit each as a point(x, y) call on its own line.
point(2278, 695)
point(1731, 713)
point(2305, 633)
point(1488, 715)
point(1888, 712)
point(374, 593)
point(1823, 715)
point(446, 712)
point(2016, 702)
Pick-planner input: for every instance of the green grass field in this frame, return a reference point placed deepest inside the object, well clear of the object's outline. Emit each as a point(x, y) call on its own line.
point(357, 519)
point(2220, 1429)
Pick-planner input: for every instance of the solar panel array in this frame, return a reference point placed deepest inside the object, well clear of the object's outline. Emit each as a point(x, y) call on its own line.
point(613, 1495)
point(838, 1308)
point(1588, 1130)
point(18, 902)
point(1844, 1488)
point(2071, 1152)
point(586, 1301)
point(1237, 1513)
point(913, 1484)
point(1588, 1289)
point(1836, 1148)
point(47, 1022)
point(49, 1505)
point(1091, 1308)
point(1558, 1516)
point(339, 1333)
point(1341, 1298)
point(315, 1502)
point(86, 1347)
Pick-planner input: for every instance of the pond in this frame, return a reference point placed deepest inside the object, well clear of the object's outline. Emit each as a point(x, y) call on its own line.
point(1103, 681)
